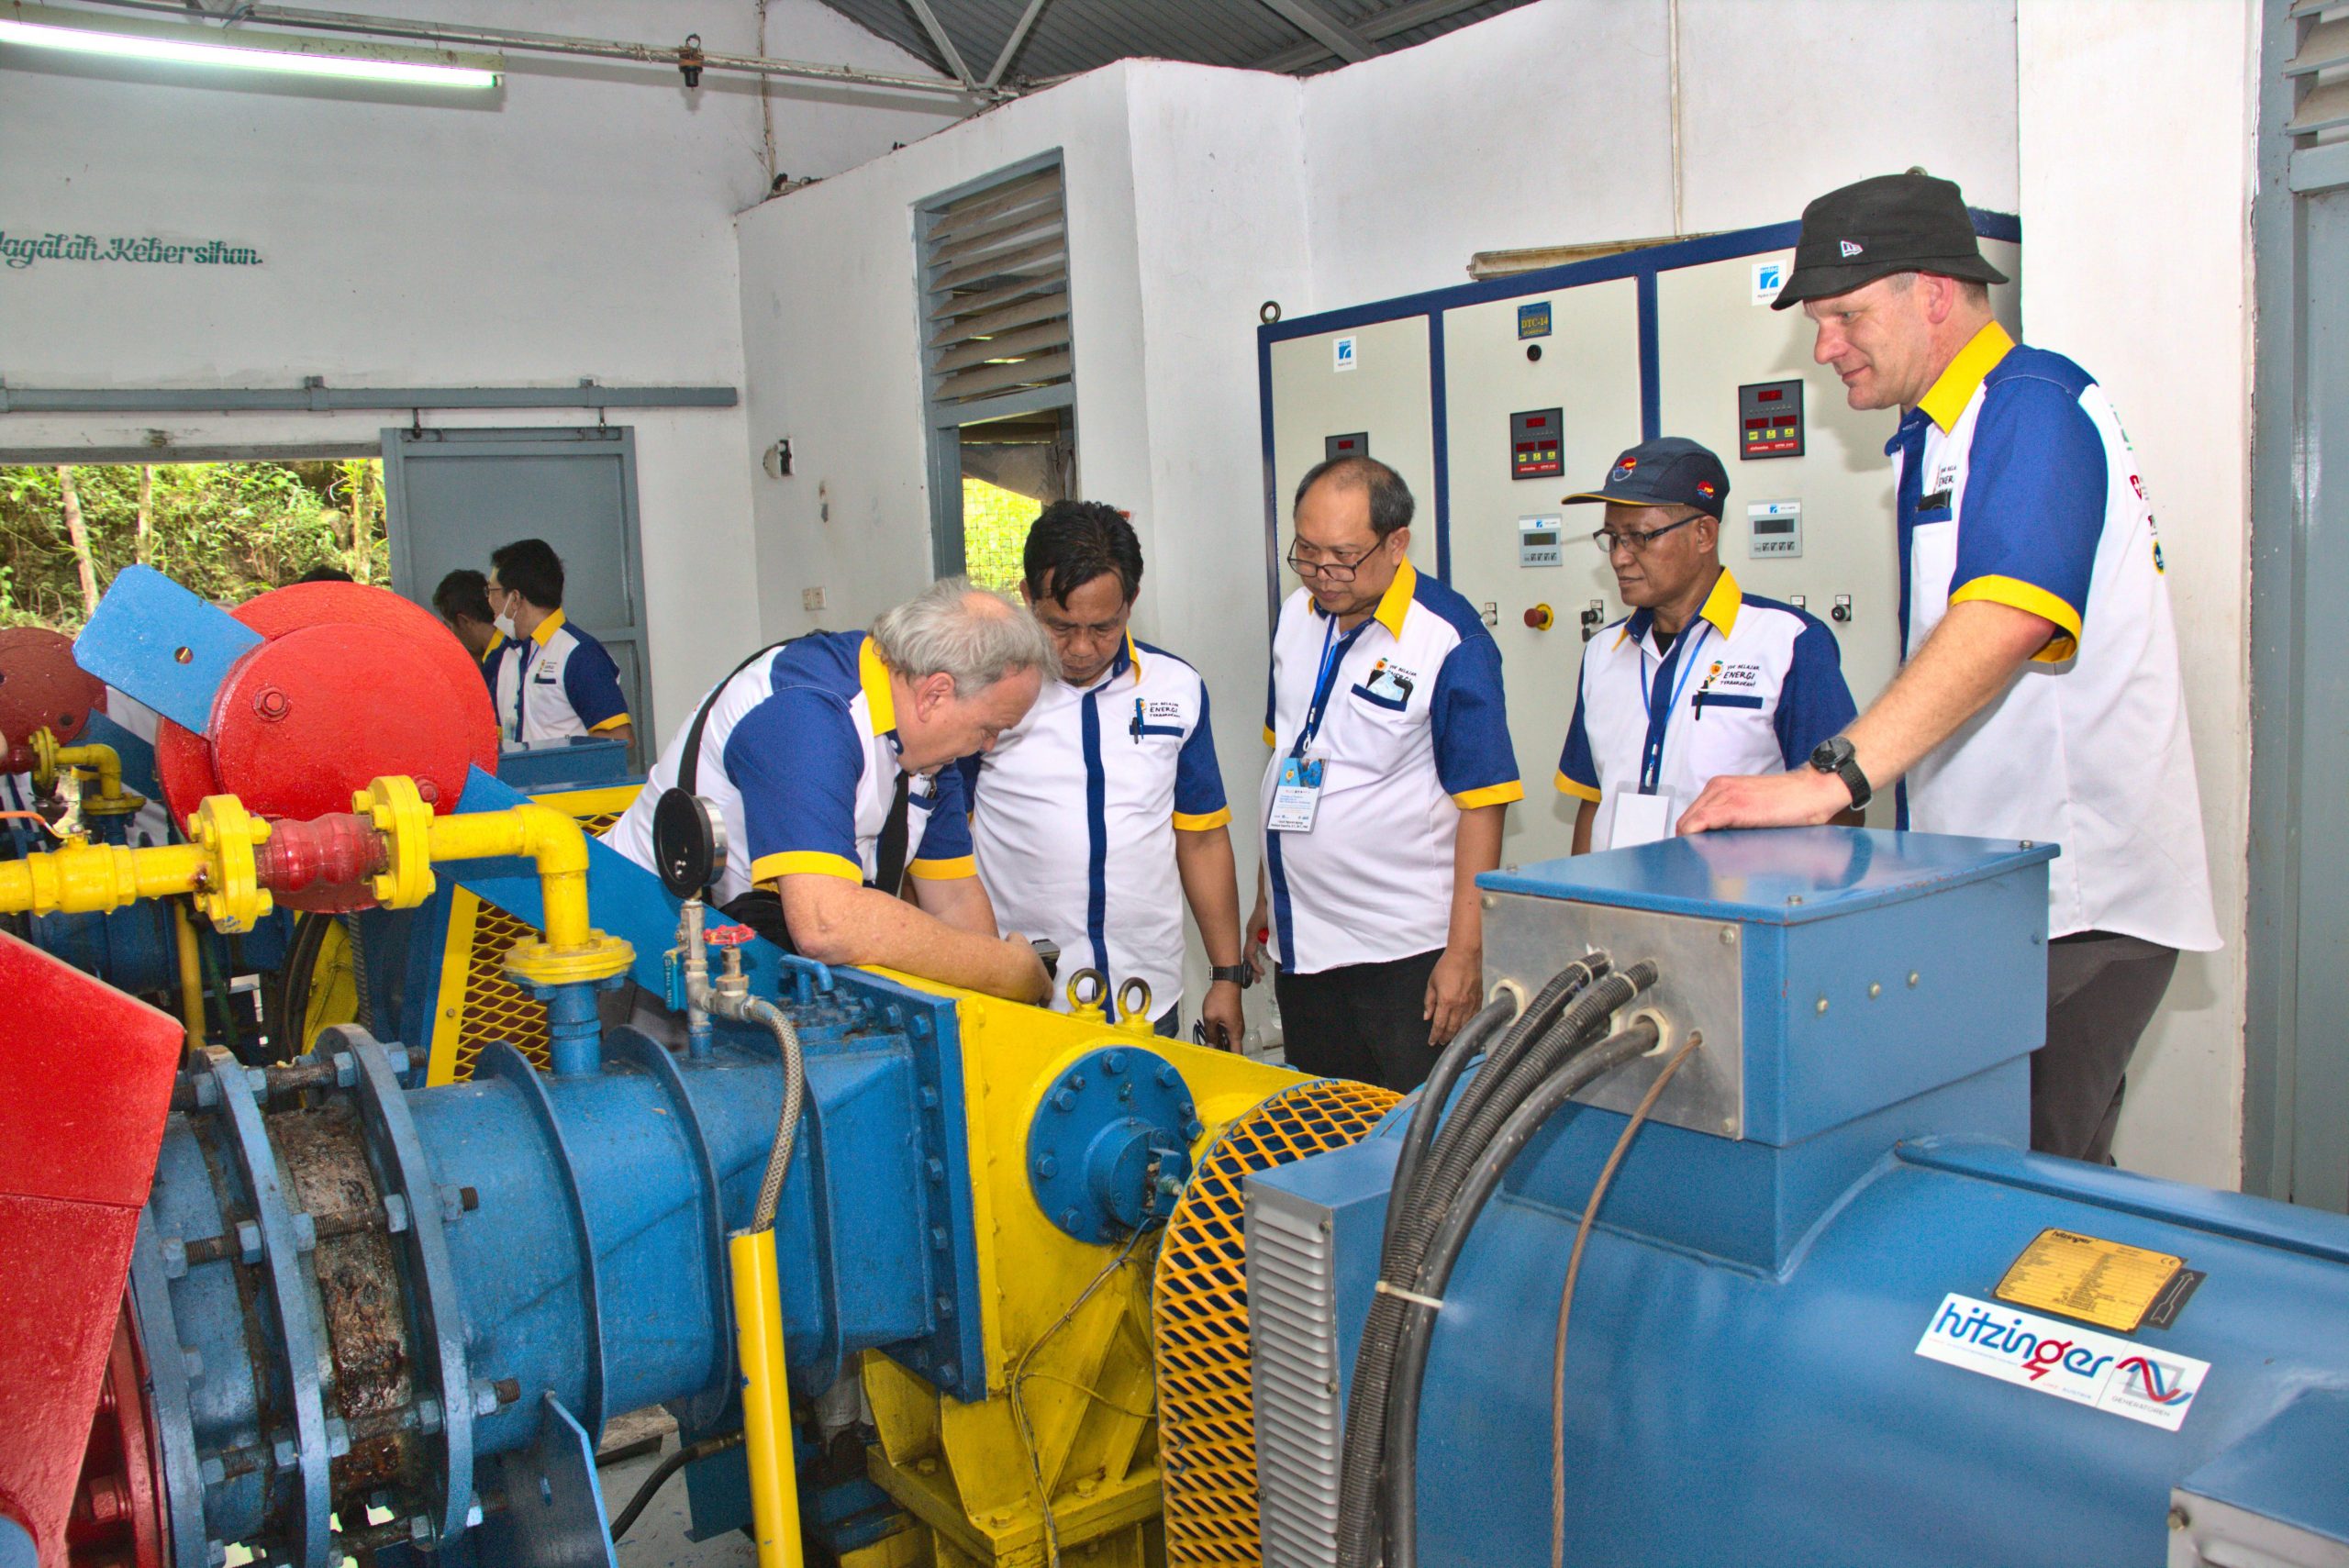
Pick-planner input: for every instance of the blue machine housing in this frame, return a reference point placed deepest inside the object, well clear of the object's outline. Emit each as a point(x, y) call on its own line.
point(1744, 1382)
point(560, 1233)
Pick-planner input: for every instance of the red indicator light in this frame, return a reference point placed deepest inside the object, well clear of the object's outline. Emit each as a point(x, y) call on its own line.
point(1763, 424)
point(1536, 421)
point(1775, 394)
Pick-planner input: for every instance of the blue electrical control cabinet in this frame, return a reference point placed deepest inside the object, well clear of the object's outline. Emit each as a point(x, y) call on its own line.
point(1830, 1311)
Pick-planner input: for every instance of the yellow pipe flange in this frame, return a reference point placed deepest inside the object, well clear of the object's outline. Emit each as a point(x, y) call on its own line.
point(400, 814)
point(534, 962)
point(231, 896)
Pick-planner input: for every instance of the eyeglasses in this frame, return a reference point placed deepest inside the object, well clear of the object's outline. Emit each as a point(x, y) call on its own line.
point(1340, 567)
point(1637, 543)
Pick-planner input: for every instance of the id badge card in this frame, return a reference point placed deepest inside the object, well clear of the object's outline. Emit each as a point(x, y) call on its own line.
point(1642, 819)
point(1297, 797)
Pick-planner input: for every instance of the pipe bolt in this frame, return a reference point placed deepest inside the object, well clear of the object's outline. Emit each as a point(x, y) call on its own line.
point(338, 1436)
point(1192, 1128)
point(306, 1233)
point(284, 1454)
point(1065, 1100)
point(397, 1057)
point(935, 1169)
point(427, 1416)
point(945, 1307)
point(1048, 1167)
point(1114, 1063)
point(193, 1360)
point(175, 1252)
point(213, 1472)
point(485, 1398)
point(345, 1070)
point(395, 1213)
point(950, 1373)
point(928, 1098)
point(938, 1239)
point(1167, 1076)
point(247, 1242)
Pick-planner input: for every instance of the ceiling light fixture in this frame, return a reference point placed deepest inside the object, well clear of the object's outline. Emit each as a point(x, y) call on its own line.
point(36, 27)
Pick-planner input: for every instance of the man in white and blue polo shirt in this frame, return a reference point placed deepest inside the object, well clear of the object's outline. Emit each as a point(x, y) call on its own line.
point(1701, 679)
point(1391, 771)
point(829, 758)
point(2038, 696)
point(555, 680)
point(1121, 745)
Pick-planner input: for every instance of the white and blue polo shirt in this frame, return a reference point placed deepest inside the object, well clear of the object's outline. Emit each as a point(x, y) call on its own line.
point(490, 657)
point(2017, 485)
point(1749, 686)
point(1415, 731)
point(1132, 759)
point(556, 682)
point(800, 755)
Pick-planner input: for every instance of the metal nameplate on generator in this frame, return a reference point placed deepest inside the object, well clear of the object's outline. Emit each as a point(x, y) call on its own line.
point(1700, 965)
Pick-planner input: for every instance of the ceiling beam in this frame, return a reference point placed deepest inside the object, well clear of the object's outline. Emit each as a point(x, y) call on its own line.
point(1019, 36)
point(1385, 25)
point(952, 56)
point(1309, 18)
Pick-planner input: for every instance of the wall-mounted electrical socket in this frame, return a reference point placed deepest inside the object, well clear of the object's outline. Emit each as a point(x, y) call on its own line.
point(811, 598)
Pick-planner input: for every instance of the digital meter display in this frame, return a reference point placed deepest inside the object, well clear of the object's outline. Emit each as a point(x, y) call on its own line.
point(1533, 451)
point(1773, 525)
point(1539, 539)
point(1769, 417)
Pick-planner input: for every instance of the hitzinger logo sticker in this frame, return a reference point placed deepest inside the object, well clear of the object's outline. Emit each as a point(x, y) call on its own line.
point(2119, 1376)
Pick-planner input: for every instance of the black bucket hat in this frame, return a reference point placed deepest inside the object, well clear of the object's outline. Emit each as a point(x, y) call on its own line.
point(1893, 223)
point(1670, 471)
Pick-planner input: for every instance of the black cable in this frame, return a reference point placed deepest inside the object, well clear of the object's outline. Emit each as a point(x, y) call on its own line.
point(1423, 1210)
point(1435, 1274)
point(665, 1469)
point(294, 981)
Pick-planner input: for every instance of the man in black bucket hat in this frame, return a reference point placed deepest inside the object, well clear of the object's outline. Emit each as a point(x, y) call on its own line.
point(2039, 695)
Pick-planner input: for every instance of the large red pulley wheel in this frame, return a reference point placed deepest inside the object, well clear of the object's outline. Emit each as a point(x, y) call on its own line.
point(351, 684)
point(42, 688)
point(118, 1520)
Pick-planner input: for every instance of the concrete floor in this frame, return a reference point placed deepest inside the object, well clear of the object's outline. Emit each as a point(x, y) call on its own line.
point(658, 1539)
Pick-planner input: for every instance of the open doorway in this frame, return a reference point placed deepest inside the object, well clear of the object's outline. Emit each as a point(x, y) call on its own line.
point(1010, 469)
point(226, 530)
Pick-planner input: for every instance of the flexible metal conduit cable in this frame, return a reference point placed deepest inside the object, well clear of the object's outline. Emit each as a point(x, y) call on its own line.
point(1566, 1296)
point(1462, 1135)
point(686, 1455)
point(1493, 1162)
point(786, 1127)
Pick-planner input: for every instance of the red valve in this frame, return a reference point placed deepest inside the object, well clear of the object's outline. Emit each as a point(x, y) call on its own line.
point(1539, 617)
point(727, 936)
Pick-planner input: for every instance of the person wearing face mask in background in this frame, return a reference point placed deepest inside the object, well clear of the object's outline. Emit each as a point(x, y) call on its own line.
point(557, 680)
point(1120, 744)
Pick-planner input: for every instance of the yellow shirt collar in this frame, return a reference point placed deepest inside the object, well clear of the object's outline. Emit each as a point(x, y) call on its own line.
point(545, 629)
point(1133, 655)
point(1721, 604)
point(1947, 402)
point(1396, 603)
point(497, 641)
point(873, 675)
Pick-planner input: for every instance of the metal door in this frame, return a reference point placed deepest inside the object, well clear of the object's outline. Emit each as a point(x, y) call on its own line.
point(2296, 1104)
point(455, 496)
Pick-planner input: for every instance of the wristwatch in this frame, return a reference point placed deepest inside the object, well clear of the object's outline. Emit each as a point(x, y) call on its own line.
point(1239, 975)
point(1834, 755)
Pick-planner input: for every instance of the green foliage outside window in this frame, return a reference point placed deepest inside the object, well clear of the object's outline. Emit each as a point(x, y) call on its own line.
point(226, 530)
point(994, 531)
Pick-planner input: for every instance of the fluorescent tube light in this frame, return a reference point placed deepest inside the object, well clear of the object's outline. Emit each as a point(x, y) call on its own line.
point(306, 57)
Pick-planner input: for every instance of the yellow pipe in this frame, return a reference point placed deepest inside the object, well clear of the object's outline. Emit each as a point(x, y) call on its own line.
point(89, 879)
point(766, 1398)
point(95, 755)
point(191, 977)
point(556, 845)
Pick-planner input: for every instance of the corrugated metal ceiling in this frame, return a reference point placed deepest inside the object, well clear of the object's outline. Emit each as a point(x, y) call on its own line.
point(1072, 36)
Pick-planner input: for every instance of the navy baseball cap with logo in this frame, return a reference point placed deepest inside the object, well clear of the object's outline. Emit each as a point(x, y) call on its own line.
point(1893, 223)
point(1668, 472)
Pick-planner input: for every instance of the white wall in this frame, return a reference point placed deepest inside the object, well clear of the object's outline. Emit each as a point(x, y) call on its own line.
point(576, 222)
point(2136, 139)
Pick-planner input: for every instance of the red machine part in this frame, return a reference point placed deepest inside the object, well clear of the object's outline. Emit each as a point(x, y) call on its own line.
point(352, 683)
point(118, 1520)
point(42, 688)
point(85, 1083)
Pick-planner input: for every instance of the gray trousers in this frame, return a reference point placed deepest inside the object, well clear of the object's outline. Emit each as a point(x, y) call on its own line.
point(2102, 989)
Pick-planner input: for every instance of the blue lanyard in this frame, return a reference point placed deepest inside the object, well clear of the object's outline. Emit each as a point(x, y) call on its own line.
point(1652, 764)
point(1324, 683)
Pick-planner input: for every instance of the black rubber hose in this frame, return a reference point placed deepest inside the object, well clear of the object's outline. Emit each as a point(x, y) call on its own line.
point(665, 1469)
point(1366, 1425)
point(294, 981)
point(1435, 1274)
point(1429, 1108)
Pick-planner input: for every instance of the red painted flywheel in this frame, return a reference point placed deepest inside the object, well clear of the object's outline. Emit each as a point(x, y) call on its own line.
point(42, 688)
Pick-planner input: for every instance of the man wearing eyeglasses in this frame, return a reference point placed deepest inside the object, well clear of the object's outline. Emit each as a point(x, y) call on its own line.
point(1701, 679)
point(1391, 770)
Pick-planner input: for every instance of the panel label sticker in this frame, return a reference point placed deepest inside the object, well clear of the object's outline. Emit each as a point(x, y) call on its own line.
point(1533, 320)
point(2117, 1377)
point(2099, 1281)
point(1769, 277)
point(1341, 352)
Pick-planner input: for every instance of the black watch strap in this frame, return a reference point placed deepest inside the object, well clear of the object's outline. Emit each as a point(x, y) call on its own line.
point(1835, 755)
point(1238, 974)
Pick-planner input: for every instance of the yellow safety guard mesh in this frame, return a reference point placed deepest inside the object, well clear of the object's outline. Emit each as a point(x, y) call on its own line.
point(1206, 1407)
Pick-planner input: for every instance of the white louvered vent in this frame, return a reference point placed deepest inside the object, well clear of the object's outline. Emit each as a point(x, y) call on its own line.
point(1300, 1424)
point(995, 291)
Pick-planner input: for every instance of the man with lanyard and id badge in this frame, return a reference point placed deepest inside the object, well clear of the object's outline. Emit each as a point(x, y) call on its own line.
point(1391, 772)
point(1701, 679)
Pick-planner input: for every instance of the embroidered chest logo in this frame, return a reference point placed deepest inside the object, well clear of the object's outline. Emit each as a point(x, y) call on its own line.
point(1391, 681)
point(1159, 716)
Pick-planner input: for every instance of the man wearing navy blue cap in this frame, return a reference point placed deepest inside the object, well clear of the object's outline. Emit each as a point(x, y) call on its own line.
point(1701, 678)
point(2039, 694)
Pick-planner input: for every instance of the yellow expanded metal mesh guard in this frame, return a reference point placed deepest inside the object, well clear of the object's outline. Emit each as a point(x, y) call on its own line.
point(1207, 1418)
point(478, 1004)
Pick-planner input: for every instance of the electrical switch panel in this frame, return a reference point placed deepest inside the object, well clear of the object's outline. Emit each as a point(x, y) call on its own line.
point(1533, 444)
point(1357, 444)
point(1540, 541)
point(1769, 419)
